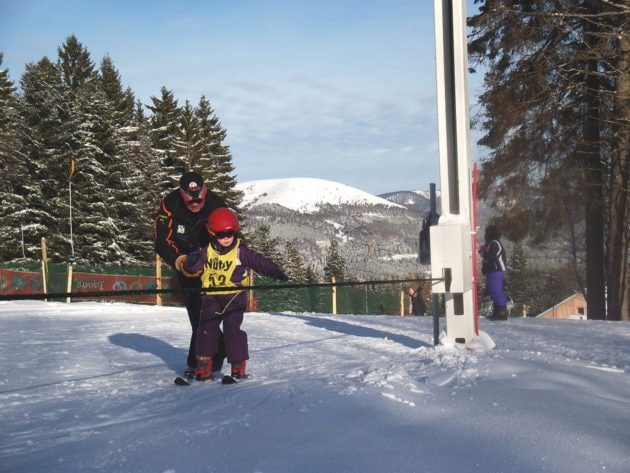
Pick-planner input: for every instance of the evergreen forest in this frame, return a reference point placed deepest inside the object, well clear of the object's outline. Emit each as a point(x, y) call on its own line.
point(85, 165)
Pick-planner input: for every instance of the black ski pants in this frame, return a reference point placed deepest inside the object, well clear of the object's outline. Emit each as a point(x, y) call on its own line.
point(192, 300)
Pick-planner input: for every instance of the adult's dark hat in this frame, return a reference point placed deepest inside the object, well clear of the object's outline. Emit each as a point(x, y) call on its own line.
point(192, 186)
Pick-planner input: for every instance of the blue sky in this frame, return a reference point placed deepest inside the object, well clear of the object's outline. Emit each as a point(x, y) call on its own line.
point(339, 90)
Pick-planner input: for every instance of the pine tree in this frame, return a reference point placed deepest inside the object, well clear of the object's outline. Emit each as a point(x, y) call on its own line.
point(121, 102)
point(215, 160)
point(10, 127)
point(522, 284)
point(187, 144)
point(142, 195)
point(553, 73)
point(14, 188)
point(311, 274)
point(96, 102)
point(205, 164)
point(261, 241)
point(95, 183)
point(138, 114)
point(75, 64)
point(46, 113)
point(132, 192)
point(335, 265)
point(164, 124)
point(294, 265)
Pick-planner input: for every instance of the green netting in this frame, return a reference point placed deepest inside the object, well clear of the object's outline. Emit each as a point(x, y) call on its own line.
point(33, 266)
point(53, 268)
point(123, 270)
point(350, 300)
point(27, 278)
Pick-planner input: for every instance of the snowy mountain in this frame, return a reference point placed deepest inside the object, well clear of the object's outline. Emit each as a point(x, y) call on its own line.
point(418, 200)
point(306, 195)
point(378, 238)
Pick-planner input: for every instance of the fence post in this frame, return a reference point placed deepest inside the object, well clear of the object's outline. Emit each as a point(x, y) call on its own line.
point(402, 303)
point(158, 279)
point(251, 302)
point(334, 295)
point(69, 284)
point(44, 268)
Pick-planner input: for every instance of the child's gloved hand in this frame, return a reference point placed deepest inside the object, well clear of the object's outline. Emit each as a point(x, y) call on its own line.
point(183, 263)
point(179, 262)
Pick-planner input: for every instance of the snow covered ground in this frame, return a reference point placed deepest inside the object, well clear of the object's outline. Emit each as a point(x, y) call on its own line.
point(87, 387)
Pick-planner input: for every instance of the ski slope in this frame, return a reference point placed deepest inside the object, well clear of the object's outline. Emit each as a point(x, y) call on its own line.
point(87, 387)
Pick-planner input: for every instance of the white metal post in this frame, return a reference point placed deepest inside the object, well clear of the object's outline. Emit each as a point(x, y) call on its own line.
point(451, 248)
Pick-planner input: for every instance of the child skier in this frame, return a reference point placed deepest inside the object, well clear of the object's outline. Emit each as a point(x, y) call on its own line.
point(224, 263)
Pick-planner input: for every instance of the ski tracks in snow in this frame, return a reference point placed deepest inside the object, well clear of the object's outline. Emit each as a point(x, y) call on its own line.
point(413, 375)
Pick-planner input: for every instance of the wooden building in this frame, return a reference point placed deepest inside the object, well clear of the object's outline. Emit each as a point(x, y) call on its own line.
point(573, 307)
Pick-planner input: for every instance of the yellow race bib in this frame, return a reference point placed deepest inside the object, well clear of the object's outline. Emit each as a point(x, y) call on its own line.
point(219, 268)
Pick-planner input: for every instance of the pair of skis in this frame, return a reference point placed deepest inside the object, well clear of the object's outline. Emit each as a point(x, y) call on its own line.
point(226, 379)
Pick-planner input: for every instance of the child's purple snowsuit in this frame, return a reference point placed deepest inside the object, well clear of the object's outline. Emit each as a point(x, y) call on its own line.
point(493, 266)
point(228, 308)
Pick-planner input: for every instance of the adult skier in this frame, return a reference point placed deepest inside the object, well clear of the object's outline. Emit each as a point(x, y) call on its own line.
point(180, 228)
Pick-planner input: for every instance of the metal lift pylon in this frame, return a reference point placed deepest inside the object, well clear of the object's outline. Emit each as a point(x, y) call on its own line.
point(451, 238)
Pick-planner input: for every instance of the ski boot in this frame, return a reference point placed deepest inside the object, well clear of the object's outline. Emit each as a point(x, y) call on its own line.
point(500, 313)
point(203, 372)
point(238, 370)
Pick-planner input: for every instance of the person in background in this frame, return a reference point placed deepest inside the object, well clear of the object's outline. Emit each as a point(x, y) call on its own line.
point(493, 267)
point(223, 263)
point(180, 228)
point(418, 307)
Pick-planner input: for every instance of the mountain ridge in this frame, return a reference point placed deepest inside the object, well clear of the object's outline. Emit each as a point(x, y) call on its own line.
point(378, 237)
point(305, 194)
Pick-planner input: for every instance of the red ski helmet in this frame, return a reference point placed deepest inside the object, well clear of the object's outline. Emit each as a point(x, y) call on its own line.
point(222, 220)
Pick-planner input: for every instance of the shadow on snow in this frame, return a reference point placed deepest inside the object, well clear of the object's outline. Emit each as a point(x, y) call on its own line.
point(171, 355)
point(357, 330)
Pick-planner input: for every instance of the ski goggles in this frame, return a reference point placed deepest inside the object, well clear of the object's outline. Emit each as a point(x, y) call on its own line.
point(196, 196)
point(225, 234)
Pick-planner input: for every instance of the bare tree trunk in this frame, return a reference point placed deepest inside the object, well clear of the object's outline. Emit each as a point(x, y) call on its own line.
point(619, 194)
point(594, 204)
point(617, 245)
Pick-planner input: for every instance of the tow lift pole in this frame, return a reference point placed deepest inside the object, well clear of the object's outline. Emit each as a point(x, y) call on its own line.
point(451, 238)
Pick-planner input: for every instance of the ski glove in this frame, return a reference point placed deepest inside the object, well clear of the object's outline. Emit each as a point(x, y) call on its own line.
point(180, 264)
